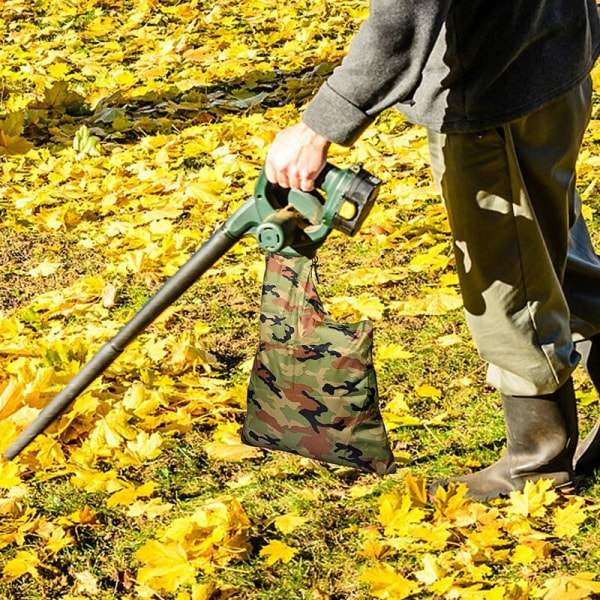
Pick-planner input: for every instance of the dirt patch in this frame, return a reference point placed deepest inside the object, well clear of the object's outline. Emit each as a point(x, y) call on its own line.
point(22, 251)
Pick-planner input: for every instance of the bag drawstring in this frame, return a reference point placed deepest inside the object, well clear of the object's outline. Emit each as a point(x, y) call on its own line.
point(315, 268)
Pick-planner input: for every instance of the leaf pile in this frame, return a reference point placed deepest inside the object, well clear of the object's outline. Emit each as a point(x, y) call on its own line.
point(128, 132)
point(461, 545)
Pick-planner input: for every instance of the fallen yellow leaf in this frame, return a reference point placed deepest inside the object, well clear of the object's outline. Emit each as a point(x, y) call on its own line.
point(385, 582)
point(278, 551)
point(288, 522)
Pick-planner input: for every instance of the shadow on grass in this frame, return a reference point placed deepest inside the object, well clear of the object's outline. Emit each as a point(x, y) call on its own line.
point(122, 119)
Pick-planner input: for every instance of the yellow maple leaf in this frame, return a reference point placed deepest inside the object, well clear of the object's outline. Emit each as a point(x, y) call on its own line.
point(567, 520)
point(448, 279)
point(48, 451)
point(385, 582)
point(11, 397)
point(199, 591)
point(392, 352)
point(58, 70)
point(364, 306)
point(141, 400)
point(397, 404)
point(145, 447)
point(371, 276)
point(216, 533)
point(124, 78)
point(288, 522)
point(397, 513)
point(278, 551)
point(434, 535)
point(572, 587)
point(86, 144)
point(452, 505)
point(122, 497)
point(428, 391)
point(23, 562)
point(83, 516)
point(541, 547)
point(449, 340)
point(227, 444)
point(166, 566)
point(435, 303)
point(359, 490)
point(534, 500)
point(523, 555)
point(110, 431)
point(13, 123)
point(417, 489)
point(92, 480)
point(130, 494)
point(100, 26)
point(587, 397)
point(231, 449)
point(11, 145)
point(152, 509)
point(9, 474)
point(10, 503)
point(55, 538)
point(432, 571)
point(375, 549)
point(432, 260)
point(45, 268)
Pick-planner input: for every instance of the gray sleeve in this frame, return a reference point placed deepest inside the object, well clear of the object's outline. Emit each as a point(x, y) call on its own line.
point(383, 66)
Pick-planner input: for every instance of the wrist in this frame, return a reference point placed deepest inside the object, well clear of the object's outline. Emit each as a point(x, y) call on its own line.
point(314, 138)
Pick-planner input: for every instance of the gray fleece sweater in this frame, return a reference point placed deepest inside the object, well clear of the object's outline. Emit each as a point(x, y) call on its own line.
point(457, 65)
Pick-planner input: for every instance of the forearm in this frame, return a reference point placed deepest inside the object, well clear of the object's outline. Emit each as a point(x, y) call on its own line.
point(383, 66)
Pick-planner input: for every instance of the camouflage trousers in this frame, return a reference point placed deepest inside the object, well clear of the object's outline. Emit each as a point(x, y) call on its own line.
point(529, 276)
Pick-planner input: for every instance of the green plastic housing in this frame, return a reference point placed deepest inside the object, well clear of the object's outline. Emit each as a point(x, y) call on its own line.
point(296, 223)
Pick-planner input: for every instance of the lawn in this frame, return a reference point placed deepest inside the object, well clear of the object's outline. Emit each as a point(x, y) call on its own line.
point(128, 132)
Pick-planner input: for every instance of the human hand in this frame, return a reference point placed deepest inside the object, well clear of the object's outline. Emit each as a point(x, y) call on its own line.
point(296, 157)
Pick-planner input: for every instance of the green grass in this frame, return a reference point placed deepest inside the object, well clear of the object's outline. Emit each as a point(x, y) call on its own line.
point(341, 505)
point(328, 559)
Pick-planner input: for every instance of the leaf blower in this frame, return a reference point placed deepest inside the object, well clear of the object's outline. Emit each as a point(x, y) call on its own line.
point(287, 222)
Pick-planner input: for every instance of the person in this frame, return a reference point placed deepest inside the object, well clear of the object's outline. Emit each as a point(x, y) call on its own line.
point(504, 91)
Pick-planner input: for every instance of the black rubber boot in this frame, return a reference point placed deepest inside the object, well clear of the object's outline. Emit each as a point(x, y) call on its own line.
point(587, 455)
point(541, 442)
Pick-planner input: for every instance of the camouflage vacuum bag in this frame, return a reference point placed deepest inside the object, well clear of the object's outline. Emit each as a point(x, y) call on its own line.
point(313, 389)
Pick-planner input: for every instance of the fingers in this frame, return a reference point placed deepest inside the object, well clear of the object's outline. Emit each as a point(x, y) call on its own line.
point(290, 177)
point(296, 157)
point(282, 175)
